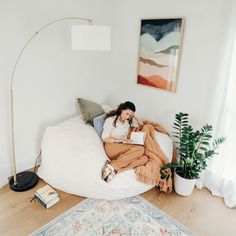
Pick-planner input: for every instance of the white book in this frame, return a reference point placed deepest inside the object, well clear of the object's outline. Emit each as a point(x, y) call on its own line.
point(46, 193)
point(137, 138)
point(49, 204)
point(53, 202)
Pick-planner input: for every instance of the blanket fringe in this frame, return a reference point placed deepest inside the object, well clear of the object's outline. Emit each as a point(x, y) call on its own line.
point(163, 184)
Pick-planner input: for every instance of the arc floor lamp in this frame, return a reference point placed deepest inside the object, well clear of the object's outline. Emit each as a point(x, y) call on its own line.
point(88, 37)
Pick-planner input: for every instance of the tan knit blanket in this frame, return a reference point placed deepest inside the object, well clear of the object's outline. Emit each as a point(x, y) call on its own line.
point(150, 172)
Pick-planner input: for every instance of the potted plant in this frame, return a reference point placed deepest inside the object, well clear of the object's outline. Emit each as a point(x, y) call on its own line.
point(194, 148)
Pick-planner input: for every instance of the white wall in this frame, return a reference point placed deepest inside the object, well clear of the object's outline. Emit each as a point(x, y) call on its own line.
point(206, 23)
point(49, 75)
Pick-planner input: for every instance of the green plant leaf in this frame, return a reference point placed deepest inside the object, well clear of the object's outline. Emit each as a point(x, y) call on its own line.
point(194, 147)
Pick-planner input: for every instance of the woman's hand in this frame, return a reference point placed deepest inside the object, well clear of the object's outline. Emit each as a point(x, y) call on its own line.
point(126, 140)
point(117, 140)
point(136, 118)
point(122, 140)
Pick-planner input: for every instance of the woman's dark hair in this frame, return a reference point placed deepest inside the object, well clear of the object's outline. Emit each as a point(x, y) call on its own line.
point(123, 106)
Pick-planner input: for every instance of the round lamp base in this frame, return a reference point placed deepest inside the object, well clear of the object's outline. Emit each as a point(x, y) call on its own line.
point(25, 181)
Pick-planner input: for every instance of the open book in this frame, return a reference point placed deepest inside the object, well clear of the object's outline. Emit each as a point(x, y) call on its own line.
point(137, 137)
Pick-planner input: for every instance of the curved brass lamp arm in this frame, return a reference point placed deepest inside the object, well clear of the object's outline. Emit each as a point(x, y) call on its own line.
point(12, 80)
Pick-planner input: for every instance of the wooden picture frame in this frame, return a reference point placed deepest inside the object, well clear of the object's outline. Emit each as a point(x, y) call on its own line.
point(159, 52)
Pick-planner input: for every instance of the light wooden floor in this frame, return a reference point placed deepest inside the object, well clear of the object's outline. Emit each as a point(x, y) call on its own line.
point(201, 212)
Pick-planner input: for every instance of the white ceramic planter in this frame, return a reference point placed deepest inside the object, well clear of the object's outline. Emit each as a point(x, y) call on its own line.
point(183, 186)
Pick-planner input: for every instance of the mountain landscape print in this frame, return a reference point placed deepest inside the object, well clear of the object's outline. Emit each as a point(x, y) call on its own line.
point(159, 52)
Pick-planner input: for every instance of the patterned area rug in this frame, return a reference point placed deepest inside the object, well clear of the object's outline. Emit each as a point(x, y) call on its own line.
point(126, 217)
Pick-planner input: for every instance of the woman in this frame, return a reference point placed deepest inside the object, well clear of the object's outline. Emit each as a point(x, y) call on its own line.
point(116, 128)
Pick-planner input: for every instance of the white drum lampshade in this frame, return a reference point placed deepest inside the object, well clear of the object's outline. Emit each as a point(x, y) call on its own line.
point(91, 37)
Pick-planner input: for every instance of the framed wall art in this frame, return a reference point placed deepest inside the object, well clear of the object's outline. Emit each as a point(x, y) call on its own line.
point(159, 52)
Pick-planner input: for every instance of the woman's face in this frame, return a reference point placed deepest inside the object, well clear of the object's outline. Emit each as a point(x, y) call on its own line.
point(126, 114)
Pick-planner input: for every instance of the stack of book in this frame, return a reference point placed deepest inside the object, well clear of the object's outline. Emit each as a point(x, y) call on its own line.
point(47, 196)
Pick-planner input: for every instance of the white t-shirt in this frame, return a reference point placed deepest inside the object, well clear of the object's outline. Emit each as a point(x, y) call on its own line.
point(120, 131)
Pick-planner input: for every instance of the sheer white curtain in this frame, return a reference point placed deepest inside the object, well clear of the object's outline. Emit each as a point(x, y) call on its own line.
point(220, 177)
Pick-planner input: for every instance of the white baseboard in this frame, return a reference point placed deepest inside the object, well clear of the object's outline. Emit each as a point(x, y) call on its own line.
point(21, 166)
point(3, 182)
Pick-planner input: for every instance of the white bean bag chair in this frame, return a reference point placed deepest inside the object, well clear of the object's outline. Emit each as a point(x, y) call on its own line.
point(73, 157)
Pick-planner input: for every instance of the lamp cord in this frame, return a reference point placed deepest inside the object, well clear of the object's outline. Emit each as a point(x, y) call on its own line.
point(36, 161)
